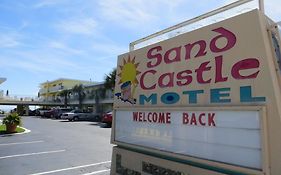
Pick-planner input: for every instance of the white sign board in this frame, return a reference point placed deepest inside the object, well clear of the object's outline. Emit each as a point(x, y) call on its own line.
point(232, 137)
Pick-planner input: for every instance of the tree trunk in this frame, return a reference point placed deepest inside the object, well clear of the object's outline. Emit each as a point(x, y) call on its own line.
point(65, 100)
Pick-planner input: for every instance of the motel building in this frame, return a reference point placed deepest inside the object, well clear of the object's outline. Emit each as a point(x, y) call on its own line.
point(205, 101)
point(50, 92)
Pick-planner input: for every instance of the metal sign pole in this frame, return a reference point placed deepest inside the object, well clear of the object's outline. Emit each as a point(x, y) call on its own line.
point(261, 5)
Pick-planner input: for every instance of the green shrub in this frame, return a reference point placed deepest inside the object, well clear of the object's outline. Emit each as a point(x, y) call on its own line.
point(12, 118)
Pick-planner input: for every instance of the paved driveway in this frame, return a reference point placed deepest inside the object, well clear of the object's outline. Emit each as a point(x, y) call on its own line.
point(57, 147)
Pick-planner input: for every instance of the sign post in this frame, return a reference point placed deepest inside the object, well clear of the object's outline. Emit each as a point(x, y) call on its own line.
point(204, 102)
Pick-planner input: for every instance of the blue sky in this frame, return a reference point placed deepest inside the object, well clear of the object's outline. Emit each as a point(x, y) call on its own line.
point(44, 40)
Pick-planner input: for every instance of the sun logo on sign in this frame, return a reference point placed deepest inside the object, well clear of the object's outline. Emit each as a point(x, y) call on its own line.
point(128, 80)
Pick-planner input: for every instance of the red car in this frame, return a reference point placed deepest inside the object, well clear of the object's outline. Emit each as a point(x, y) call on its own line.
point(107, 118)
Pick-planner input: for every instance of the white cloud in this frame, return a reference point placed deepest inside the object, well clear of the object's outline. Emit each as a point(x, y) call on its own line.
point(131, 12)
point(46, 3)
point(38, 62)
point(137, 13)
point(9, 40)
point(84, 26)
point(12, 36)
point(109, 48)
point(273, 9)
point(23, 26)
point(60, 46)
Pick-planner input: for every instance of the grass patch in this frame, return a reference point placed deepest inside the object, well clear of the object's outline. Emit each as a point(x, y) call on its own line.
point(3, 130)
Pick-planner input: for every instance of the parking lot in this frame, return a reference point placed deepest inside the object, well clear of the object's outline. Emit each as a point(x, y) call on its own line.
point(57, 147)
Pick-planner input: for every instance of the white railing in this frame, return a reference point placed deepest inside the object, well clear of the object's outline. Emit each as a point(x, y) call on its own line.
point(230, 10)
point(55, 88)
point(51, 89)
point(19, 98)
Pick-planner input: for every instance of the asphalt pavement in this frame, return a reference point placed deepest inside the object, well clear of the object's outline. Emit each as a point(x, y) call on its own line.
point(57, 147)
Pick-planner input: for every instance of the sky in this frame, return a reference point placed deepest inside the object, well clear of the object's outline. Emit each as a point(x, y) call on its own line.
point(44, 40)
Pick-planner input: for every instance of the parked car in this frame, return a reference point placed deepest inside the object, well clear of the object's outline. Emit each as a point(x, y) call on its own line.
point(64, 110)
point(30, 112)
point(41, 111)
point(56, 112)
point(107, 118)
point(76, 115)
point(52, 113)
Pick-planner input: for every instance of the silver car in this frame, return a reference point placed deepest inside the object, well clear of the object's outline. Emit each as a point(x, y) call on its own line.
point(76, 115)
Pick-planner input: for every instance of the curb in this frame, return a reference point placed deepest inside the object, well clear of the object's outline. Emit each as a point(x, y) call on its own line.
point(25, 131)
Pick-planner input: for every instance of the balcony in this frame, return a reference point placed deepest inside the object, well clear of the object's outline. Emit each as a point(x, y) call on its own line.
point(55, 89)
point(43, 91)
point(51, 89)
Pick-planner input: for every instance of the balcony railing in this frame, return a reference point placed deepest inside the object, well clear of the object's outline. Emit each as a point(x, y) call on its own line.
point(55, 88)
point(51, 89)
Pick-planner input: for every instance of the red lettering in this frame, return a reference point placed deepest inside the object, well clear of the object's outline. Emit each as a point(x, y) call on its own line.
point(161, 118)
point(177, 57)
point(135, 116)
point(140, 116)
point(203, 68)
point(193, 119)
point(185, 118)
point(201, 120)
point(154, 117)
point(157, 56)
point(144, 117)
point(228, 35)
point(185, 77)
point(169, 76)
point(246, 64)
point(219, 76)
point(201, 52)
point(149, 117)
point(168, 117)
point(142, 80)
point(211, 121)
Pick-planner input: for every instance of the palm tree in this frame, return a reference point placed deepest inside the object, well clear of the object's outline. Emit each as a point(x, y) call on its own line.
point(64, 93)
point(97, 95)
point(110, 80)
point(79, 89)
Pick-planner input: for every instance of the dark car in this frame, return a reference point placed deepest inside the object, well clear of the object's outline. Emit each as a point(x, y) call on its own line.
point(56, 112)
point(107, 118)
point(52, 113)
point(31, 112)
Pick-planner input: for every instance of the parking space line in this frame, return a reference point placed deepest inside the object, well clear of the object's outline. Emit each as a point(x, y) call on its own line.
point(30, 154)
point(96, 172)
point(19, 143)
point(71, 168)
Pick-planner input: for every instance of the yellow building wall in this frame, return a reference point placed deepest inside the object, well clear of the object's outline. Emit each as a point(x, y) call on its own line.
point(51, 88)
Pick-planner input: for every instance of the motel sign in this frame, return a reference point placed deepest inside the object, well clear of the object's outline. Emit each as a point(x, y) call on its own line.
point(204, 102)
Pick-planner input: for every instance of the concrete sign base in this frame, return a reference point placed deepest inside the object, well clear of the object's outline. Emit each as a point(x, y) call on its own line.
point(129, 162)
